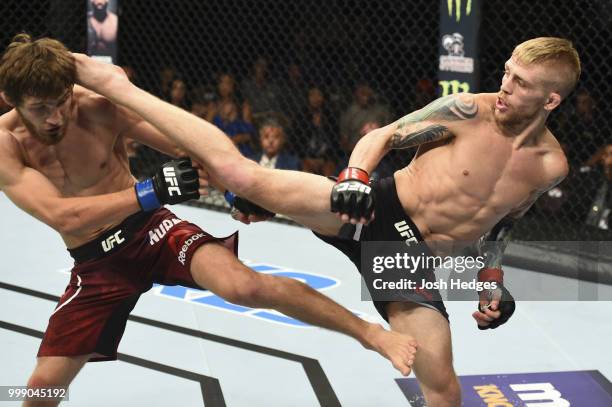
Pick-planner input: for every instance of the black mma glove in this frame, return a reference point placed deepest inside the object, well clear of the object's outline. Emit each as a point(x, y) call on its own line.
point(506, 301)
point(175, 182)
point(352, 194)
point(246, 207)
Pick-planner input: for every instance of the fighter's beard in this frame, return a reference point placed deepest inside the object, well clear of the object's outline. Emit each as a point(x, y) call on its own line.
point(43, 138)
point(514, 123)
point(100, 14)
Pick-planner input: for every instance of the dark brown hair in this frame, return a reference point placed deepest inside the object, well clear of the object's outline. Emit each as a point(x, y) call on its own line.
point(43, 68)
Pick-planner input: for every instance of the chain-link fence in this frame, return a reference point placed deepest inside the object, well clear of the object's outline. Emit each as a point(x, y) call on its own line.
point(576, 210)
point(328, 72)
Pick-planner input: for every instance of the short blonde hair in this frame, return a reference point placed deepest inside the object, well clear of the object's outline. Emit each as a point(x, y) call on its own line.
point(551, 50)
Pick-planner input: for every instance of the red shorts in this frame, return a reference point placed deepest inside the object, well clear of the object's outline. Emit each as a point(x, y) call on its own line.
point(110, 274)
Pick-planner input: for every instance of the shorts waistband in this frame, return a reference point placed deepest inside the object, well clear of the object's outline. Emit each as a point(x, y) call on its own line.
point(111, 240)
point(386, 194)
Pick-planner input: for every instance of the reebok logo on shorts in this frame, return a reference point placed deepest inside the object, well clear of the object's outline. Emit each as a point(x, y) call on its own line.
point(183, 253)
point(113, 240)
point(160, 231)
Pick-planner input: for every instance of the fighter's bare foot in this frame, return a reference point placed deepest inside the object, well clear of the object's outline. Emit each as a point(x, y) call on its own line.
point(399, 348)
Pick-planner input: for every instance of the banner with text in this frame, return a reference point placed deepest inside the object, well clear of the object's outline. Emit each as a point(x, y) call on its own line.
point(458, 46)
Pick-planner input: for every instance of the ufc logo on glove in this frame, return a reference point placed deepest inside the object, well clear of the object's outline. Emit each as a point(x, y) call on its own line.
point(170, 178)
point(354, 186)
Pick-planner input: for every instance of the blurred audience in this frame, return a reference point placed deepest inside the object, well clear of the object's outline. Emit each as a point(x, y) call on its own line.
point(240, 131)
point(178, 93)
point(203, 103)
point(583, 130)
point(601, 174)
point(163, 87)
point(261, 94)
point(363, 114)
point(293, 91)
point(272, 140)
point(226, 91)
point(317, 130)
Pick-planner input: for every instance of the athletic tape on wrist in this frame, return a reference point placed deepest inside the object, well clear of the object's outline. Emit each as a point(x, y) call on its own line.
point(354, 173)
point(147, 198)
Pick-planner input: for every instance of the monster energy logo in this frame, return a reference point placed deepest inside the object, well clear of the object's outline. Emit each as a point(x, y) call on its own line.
point(451, 87)
point(468, 8)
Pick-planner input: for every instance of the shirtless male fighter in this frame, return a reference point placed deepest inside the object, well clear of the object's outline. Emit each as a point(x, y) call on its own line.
point(63, 161)
point(483, 160)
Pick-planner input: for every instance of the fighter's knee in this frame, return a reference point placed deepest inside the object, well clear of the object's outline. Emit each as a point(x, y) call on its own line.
point(41, 379)
point(249, 291)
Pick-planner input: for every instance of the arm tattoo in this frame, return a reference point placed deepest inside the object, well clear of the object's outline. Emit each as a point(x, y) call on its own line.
point(448, 108)
point(494, 243)
point(431, 133)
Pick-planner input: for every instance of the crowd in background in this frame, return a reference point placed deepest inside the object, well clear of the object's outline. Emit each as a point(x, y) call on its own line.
point(289, 123)
point(295, 124)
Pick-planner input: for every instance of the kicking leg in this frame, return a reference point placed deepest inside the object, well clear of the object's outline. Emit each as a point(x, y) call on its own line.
point(215, 267)
point(303, 197)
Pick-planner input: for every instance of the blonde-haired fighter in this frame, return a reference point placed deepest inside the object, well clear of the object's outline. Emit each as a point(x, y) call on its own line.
point(483, 160)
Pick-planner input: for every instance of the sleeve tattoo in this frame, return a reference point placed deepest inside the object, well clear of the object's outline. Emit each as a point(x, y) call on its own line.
point(448, 108)
point(493, 244)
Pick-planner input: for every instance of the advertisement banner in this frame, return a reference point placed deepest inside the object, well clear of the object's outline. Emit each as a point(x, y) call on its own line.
point(102, 26)
point(550, 389)
point(458, 46)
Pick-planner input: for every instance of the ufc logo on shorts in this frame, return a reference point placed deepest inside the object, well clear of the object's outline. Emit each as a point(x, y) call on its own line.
point(112, 241)
point(170, 178)
point(406, 231)
point(354, 186)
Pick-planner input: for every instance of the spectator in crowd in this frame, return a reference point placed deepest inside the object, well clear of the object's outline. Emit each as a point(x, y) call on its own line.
point(227, 92)
point(240, 131)
point(261, 94)
point(601, 206)
point(163, 87)
point(272, 140)
point(583, 130)
point(178, 93)
point(294, 90)
point(204, 103)
point(102, 26)
point(317, 130)
point(365, 112)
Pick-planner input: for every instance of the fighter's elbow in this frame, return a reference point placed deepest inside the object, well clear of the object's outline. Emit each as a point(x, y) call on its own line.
point(239, 175)
point(68, 221)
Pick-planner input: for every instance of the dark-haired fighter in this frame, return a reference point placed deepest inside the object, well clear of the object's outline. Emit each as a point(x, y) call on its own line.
point(63, 161)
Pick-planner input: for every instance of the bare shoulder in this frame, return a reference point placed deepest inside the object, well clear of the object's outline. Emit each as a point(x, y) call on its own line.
point(11, 156)
point(555, 162)
point(94, 107)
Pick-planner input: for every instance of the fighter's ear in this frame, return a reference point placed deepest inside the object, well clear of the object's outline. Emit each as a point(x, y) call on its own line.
point(6, 99)
point(554, 100)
